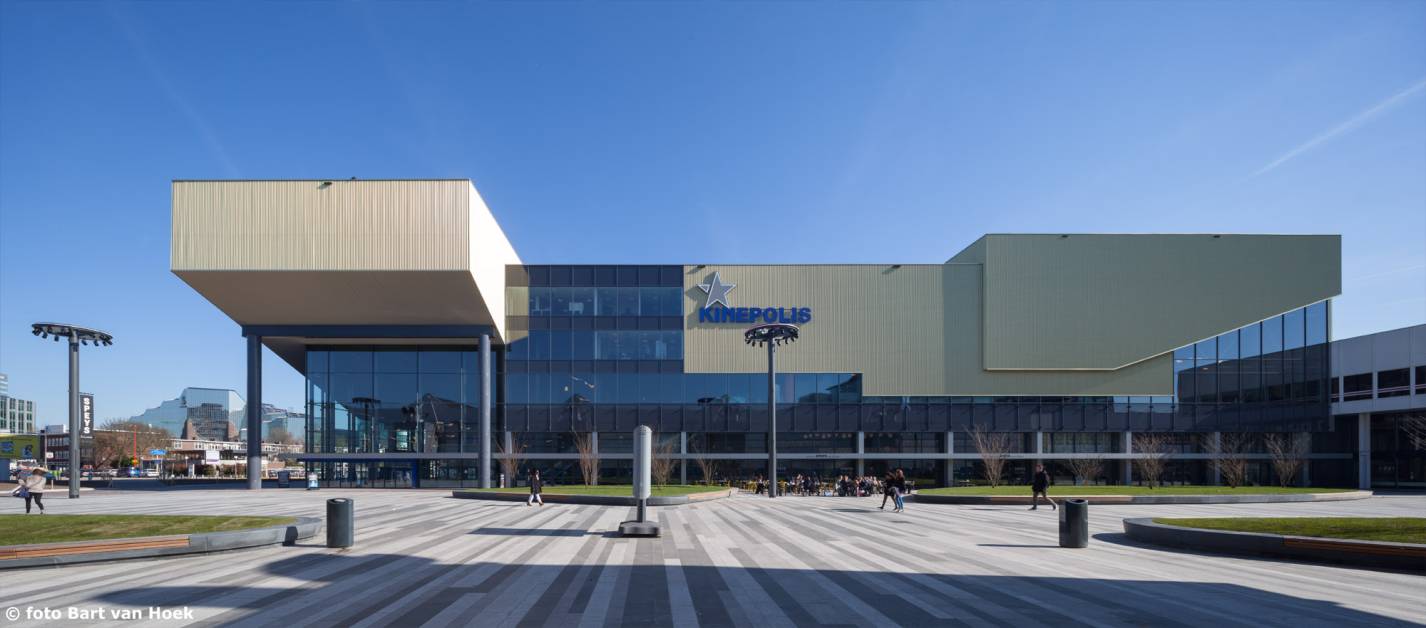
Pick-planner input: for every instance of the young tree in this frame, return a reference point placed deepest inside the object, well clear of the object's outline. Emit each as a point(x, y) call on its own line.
point(708, 467)
point(116, 442)
point(588, 457)
point(994, 450)
point(511, 459)
point(1415, 427)
point(1229, 452)
point(661, 466)
point(1152, 450)
point(1086, 470)
point(1288, 452)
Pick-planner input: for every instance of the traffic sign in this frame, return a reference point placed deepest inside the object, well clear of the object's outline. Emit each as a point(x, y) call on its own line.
point(158, 452)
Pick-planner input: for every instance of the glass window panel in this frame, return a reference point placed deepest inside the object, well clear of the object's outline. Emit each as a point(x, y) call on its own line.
point(645, 341)
point(672, 302)
point(316, 361)
point(441, 361)
point(1317, 323)
point(559, 301)
point(540, 302)
point(350, 361)
point(517, 388)
point(581, 302)
point(827, 384)
point(671, 385)
point(1272, 335)
point(583, 342)
point(519, 348)
point(650, 387)
point(395, 361)
point(757, 388)
point(1250, 340)
point(805, 387)
point(560, 344)
point(626, 302)
point(786, 393)
point(540, 388)
point(1293, 330)
point(673, 343)
point(628, 388)
point(1206, 351)
point(651, 301)
point(1228, 346)
point(539, 344)
point(606, 301)
point(738, 388)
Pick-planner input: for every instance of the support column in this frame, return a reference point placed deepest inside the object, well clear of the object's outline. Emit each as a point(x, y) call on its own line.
point(771, 419)
point(683, 458)
point(510, 451)
point(1364, 450)
point(75, 436)
point(861, 453)
point(594, 443)
point(485, 398)
point(950, 462)
point(1217, 475)
point(1039, 445)
point(254, 412)
point(1127, 466)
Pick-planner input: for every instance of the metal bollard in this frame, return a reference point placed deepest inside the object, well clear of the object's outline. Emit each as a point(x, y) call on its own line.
point(341, 531)
point(1074, 523)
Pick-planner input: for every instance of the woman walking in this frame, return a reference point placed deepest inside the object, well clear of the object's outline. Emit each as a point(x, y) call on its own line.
point(900, 490)
point(535, 486)
point(32, 488)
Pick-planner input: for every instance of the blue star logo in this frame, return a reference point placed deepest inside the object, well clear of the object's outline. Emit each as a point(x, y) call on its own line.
point(717, 291)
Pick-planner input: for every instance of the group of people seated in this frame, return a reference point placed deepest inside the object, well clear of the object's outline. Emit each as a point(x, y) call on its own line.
point(812, 484)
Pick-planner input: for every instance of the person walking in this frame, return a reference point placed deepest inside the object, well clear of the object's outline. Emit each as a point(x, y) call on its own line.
point(32, 489)
point(899, 489)
point(535, 486)
point(887, 483)
point(1039, 486)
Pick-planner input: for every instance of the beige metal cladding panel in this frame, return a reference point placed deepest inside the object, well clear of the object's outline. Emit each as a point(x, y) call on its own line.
point(1106, 301)
point(964, 375)
point(872, 319)
point(304, 225)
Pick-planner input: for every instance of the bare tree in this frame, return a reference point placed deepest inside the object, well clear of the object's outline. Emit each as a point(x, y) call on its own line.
point(1289, 453)
point(1230, 454)
point(588, 457)
point(117, 441)
point(512, 458)
point(661, 466)
point(707, 466)
point(1415, 427)
point(994, 450)
point(1086, 470)
point(1152, 450)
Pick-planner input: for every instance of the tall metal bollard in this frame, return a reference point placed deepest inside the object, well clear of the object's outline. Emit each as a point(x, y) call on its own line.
point(643, 457)
point(341, 527)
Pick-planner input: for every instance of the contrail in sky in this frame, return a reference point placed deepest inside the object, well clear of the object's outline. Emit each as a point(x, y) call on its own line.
point(1350, 124)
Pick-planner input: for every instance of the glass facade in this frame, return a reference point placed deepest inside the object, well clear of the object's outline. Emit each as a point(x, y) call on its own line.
point(601, 349)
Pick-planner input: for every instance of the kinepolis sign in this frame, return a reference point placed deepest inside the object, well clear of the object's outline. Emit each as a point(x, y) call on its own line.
point(724, 313)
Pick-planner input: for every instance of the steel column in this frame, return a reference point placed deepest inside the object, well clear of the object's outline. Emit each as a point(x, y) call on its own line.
point(485, 398)
point(1364, 450)
point(254, 412)
point(771, 419)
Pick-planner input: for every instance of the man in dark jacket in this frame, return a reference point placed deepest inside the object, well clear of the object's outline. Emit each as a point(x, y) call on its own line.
point(1039, 485)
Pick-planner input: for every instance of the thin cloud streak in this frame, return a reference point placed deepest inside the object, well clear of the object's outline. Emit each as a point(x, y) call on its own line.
point(1351, 124)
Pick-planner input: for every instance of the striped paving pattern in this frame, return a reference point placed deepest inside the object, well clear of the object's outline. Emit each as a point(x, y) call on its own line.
point(424, 559)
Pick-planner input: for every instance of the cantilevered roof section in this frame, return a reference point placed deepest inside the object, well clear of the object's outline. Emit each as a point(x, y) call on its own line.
point(342, 252)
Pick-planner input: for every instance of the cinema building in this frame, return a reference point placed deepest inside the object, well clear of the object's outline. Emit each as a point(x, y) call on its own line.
point(431, 349)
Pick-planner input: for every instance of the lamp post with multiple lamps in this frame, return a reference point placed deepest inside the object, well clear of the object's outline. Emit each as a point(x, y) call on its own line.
point(77, 336)
point(771, 335)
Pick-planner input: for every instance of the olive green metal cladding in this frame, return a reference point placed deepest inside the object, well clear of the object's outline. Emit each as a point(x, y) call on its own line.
point(1020, 314)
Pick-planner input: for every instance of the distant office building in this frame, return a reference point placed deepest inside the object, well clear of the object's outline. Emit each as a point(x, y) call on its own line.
point(17, 416)
point(210, 410)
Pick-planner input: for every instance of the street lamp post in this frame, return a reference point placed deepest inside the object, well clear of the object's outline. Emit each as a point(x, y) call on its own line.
point(772, 335)
point(77, 336)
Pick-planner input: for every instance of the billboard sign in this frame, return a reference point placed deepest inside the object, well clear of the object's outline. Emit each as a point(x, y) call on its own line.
point(20, 446)
point(86, 415)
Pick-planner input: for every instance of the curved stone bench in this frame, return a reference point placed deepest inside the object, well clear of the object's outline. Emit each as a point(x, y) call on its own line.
point(1373, 554)
point(594, 500)
point(55, 554)
point(1245, 498)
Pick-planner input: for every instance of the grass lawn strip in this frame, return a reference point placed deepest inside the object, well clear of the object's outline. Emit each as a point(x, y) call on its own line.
point(1392, 529)
point(614, 490)
point(1069, 490)
point(29, 529)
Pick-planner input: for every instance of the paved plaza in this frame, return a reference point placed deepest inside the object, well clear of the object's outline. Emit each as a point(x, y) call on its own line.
point(425, 559)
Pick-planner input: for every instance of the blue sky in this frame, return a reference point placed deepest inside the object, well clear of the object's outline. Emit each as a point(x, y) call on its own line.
point(667, 133)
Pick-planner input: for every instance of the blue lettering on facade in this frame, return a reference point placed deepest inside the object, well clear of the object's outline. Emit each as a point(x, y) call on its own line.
point(755, 315)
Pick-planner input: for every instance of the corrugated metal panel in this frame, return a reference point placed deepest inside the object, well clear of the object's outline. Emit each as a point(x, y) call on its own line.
point(305, 225)
point(1106, 301)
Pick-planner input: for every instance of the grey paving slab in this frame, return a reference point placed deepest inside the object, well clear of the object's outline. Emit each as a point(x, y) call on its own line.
point(425, 559)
